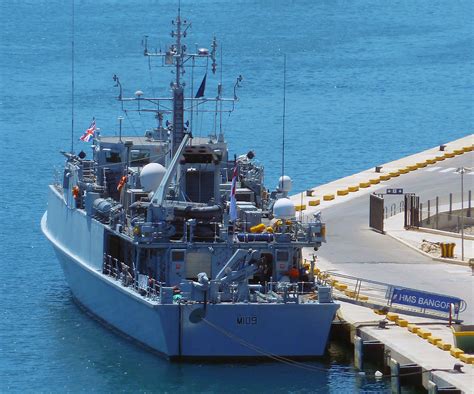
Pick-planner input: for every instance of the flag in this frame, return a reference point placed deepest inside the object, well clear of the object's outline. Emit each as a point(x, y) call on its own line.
point(202, 87)
point(233, 201)
point(89, 133)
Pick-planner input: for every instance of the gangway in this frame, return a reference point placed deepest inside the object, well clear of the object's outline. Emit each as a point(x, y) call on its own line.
point(388, 297)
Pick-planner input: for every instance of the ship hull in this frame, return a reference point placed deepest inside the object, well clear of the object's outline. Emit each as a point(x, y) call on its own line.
point(180, 330)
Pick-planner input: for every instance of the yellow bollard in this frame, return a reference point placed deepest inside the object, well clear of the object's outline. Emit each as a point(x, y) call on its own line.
point(434, 340)
point(443, 345)
point(374, 181)
point(456, 352)
point(353, 188)
point(328, 197)
point(451, 247)
point(401, 322)
point(444, 249)
point(413, 328)
point(392, 316)
point(423, 333)
point(313, 203)
point(467, 358)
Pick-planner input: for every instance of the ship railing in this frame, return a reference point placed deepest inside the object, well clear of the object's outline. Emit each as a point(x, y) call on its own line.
point(385, 297)
point(298, 287)
point(142, 284)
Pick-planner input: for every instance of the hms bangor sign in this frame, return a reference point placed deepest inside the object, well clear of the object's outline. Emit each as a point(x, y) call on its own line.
point(424, 300)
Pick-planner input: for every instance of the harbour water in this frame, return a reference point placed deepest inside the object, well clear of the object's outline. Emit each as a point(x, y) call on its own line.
point(367, 82)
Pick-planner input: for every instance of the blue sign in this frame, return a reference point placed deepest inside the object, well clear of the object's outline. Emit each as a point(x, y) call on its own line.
point(424, 300)
point(394, 191)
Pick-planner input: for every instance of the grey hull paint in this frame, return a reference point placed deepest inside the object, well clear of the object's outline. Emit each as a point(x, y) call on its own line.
point(227, 330)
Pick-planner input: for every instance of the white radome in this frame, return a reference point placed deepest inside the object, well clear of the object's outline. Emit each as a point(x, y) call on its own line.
point(151, 176)
point(285, 183)
point(284, 209)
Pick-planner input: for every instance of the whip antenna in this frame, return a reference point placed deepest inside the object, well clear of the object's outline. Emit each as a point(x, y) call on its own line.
point(283, 126)
point(72, 80)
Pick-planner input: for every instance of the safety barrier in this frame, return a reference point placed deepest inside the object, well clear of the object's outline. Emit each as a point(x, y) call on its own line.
point(141, 284)
point(449, 219)
point(393, 298)
point(328, 197)
point(314, 203)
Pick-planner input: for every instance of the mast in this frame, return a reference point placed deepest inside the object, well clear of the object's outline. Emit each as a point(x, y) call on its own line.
point(178, 87)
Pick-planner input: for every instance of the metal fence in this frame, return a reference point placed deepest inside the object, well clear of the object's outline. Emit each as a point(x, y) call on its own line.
point(439, 213)
point(380, 296)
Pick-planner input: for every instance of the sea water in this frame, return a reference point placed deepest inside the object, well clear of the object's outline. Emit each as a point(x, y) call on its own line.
point(367, 82)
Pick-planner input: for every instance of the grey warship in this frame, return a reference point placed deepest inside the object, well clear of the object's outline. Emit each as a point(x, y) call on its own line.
point(180, 247)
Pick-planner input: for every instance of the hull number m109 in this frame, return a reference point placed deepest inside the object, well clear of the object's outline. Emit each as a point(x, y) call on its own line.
point(247, 320)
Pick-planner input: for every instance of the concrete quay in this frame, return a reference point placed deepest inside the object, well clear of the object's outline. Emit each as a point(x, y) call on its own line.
point(408, 344)
point(420, 345)
point(368, 181)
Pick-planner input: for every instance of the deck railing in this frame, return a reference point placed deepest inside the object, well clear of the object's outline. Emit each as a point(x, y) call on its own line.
point(142, 284)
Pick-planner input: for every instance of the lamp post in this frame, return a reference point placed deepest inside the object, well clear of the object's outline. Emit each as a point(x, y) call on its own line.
point(462, 171)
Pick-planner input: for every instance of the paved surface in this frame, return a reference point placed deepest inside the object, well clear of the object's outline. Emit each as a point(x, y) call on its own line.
point(353, 248)
point(394, 226)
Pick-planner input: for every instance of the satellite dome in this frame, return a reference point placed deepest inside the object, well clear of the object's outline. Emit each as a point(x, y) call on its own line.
point(284, 209)
point(285, 183)
point(151, 176)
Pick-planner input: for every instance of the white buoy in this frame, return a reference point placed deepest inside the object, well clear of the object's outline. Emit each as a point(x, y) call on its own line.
point(151, 176)
point(284, 209)
point(378, 375)
point(285, 183)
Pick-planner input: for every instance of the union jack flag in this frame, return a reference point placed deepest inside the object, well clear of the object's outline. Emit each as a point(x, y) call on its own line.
point(89, 133)
point(233, 201)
